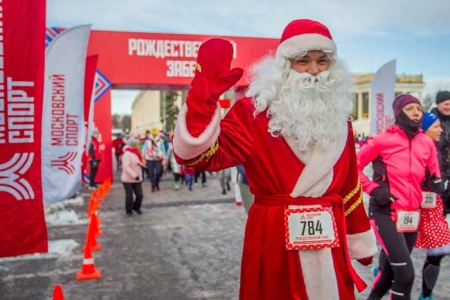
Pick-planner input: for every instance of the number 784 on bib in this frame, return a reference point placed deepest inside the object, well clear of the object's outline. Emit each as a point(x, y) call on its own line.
point(310, 228)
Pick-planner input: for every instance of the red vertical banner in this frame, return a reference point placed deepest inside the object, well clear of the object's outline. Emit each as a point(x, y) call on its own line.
point(22, 55)
point(89, 80)
point(103, 122)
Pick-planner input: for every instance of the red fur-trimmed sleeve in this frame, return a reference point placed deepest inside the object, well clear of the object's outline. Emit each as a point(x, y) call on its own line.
point(222, 144)
point(360, 237)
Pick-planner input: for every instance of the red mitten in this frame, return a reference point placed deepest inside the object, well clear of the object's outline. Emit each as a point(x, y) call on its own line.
point(366, 261)
point(212, 78)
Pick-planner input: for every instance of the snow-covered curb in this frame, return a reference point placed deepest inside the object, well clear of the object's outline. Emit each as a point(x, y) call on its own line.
point(57, 214)
point(56, 249)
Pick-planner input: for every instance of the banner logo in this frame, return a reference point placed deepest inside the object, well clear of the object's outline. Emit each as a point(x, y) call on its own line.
point(64, 162)
point(102, 85)
point(11, 176)
point(51, 34)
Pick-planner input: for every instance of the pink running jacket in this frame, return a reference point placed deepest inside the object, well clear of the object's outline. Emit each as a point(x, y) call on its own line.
point(401, 163)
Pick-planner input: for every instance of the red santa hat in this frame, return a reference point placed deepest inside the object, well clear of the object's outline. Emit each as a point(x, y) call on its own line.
point(304, 34)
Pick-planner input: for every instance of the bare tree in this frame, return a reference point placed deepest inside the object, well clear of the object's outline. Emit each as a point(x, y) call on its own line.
point(169, 110)
point(427, 102)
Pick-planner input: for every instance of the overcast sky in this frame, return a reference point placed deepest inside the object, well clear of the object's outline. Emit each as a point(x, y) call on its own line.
point(368, 33)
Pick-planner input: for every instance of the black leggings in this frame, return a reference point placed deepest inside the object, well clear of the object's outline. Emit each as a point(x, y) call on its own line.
point(430, 273)
point(395, 264)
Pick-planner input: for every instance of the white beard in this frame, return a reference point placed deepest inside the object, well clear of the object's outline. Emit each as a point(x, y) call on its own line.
point(312, 111)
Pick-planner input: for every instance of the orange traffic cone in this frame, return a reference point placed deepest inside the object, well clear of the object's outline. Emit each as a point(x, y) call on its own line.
point(91, 241)
point(94, 223)
point(88, 270)
point(58, 293)
point(96, 200)
point(108, 185)
point(99, 222)
point(100, 193)
point(93, 204)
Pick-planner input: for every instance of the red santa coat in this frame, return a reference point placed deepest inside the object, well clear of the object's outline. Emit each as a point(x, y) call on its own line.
point(281, 176)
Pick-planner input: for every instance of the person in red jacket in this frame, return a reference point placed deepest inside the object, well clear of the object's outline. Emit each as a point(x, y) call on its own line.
point(118, 145)
point(293, 135)
point(399, 157)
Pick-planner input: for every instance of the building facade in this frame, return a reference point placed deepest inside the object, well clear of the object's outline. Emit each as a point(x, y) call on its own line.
point(405, 84)
point(147, 110)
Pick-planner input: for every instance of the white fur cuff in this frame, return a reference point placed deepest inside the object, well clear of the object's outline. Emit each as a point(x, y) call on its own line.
point(185, 145)
point(361, 245)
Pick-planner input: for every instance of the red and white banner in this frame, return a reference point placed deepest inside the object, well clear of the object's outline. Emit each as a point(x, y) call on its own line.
point(22, 54)
point(89, 93)
point(63, 114)
point(382, 94)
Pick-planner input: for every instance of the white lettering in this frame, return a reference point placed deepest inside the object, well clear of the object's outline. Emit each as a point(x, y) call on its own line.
point(163, 48)
point(20, 108)
point(131, 46)
point(180, 68)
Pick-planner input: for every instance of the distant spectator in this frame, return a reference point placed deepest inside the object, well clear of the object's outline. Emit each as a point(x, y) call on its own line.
point(247, 196)
point(154, 156)
point(201, 174)
point(132, 177)
point(118, 144)
point(175, 167)
point(189, 174)
point(225, 178)
point(94, 158)
point(235, 183)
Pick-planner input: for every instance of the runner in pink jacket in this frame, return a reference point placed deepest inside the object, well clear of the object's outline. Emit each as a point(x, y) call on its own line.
point(400, 157)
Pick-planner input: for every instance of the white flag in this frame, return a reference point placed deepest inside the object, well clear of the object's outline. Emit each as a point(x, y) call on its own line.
point(382, 95)
point(90, 121)
point(63, 125)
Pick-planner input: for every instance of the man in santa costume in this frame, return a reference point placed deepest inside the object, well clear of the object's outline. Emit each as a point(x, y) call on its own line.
point(293, 135)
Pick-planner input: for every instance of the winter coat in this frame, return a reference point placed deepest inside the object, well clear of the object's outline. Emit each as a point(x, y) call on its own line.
point(153, 149)
point(443, 146)
point(398, 164)
point(130, 167)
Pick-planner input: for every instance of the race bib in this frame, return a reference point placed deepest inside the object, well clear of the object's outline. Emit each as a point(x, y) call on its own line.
point(407, 220)
point(310, 228)
point(429, 200)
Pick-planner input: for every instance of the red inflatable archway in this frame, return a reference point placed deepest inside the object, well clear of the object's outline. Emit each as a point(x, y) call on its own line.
point(135, 60)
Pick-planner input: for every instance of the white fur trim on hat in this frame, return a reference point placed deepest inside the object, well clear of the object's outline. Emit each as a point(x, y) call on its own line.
point(312, 41)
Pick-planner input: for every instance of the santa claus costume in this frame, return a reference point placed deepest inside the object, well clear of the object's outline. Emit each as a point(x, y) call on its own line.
point(294, 139)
